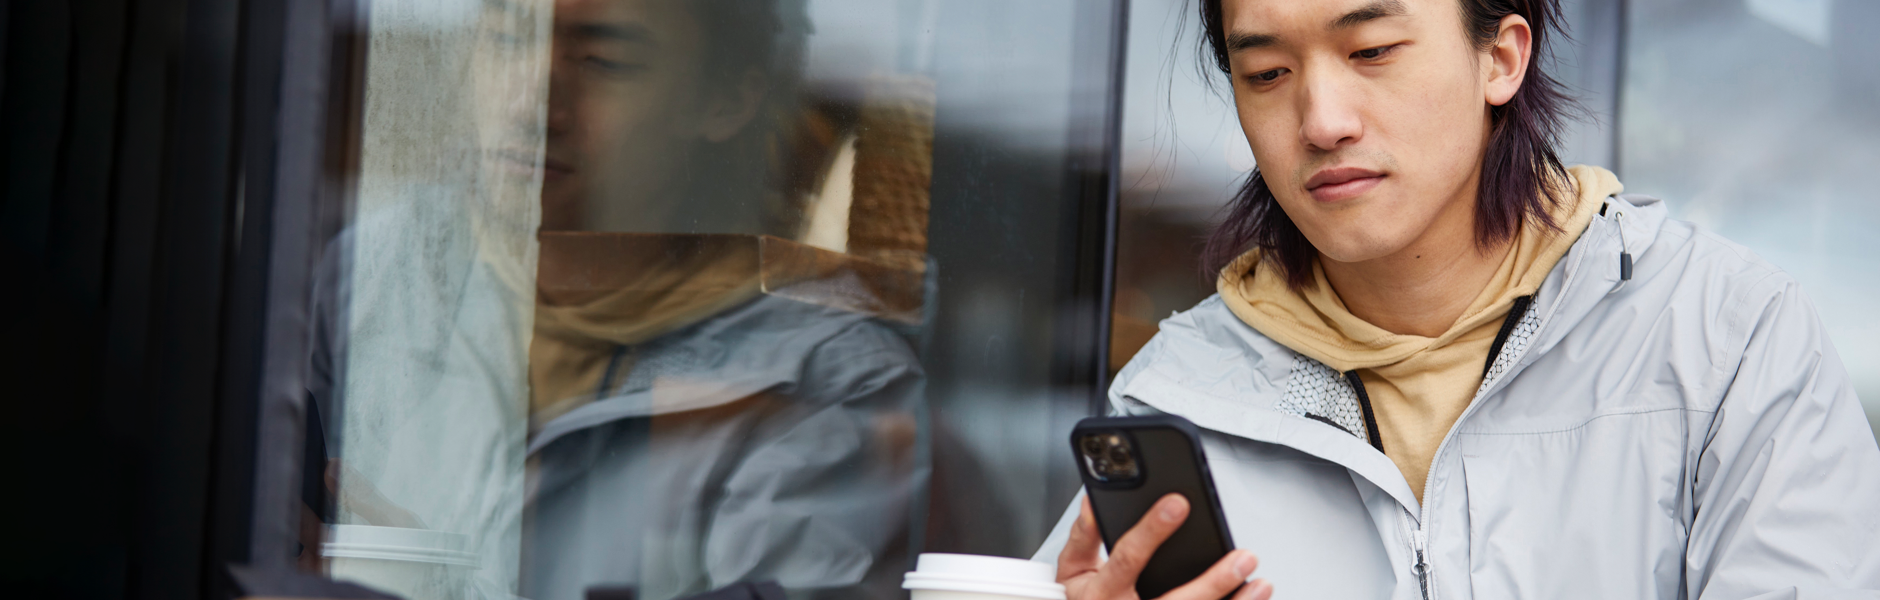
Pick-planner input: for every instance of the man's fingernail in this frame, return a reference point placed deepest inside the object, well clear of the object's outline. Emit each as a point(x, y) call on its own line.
point(1171, 511)
point(1243, 566)
point(1262, 589)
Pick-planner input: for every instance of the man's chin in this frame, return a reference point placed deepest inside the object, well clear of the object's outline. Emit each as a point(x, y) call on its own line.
point(561, 208)
point(1356, 245)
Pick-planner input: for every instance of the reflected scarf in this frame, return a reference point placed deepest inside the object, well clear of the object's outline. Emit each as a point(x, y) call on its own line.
point(597, 293)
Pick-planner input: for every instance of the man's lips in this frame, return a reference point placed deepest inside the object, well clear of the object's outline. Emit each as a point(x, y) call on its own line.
point(556, 169)
point(1332, 185)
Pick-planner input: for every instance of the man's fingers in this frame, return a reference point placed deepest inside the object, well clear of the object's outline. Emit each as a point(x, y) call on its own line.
point(1132, 552)
point(1082, 552)
point(1258, 589)
point(1220, 579)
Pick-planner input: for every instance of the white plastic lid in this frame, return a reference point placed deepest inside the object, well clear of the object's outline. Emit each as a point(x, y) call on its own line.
point(398, 543)
point(986, 575)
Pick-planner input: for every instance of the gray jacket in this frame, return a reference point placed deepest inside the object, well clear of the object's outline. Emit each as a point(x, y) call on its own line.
point(777, 441)
point(1689, 433)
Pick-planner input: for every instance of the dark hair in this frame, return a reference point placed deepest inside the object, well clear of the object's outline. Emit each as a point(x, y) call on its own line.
point(740, 176)
point(1516, 167)
point(741, 36)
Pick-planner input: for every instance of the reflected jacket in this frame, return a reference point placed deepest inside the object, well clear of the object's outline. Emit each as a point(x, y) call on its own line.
point(1687, 433)
point(776, 441)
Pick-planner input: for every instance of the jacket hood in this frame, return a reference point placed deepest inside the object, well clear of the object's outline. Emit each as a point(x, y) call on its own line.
point(1315, 322)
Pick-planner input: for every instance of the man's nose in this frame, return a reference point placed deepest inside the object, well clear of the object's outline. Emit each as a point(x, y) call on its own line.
point(1331, 118)
point(559, 111)
point(560, 103)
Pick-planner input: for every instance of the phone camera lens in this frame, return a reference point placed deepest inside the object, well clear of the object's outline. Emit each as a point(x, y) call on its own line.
point(1108, 457)
point(1119, 455)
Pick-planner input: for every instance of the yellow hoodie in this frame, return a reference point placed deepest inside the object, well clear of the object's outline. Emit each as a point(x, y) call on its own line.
point(1418, 386)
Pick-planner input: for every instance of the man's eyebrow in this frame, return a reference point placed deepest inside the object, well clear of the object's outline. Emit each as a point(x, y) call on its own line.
point(629, 32)
point(1377, 9)
point(1238, 41)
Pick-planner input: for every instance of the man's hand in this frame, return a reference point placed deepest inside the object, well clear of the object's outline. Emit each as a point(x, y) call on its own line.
point(1086, 576)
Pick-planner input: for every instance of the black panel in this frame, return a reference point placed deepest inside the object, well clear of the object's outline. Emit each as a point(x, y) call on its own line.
point(139, 286)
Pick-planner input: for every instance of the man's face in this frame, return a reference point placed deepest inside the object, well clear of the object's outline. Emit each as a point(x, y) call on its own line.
point(626, 108)
point(625, 84)
point(1367, 117)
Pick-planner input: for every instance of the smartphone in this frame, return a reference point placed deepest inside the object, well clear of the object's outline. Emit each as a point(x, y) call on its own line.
point(1127, 464)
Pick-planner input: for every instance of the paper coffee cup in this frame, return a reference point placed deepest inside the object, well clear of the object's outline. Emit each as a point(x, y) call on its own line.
point(417, 564)
point(973, 577)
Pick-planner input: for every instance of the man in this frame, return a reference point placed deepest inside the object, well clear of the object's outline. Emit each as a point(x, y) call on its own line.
point(1441, 365)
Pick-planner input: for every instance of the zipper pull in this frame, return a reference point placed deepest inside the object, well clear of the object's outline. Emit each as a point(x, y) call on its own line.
point(1422, 569)
point(1422, 566)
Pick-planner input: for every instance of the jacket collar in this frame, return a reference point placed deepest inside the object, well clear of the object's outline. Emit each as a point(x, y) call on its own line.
point(1210, 367)
point(757, 347)
point(1590, 272)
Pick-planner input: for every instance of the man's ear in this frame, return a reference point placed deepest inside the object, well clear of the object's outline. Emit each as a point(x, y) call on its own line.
point(729, 111)
point(1508, 60)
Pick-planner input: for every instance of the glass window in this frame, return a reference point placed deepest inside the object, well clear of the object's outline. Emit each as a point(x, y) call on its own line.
point(1183, 158)
point(655, 298)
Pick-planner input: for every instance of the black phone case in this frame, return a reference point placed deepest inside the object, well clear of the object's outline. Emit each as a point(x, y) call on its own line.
point(1171, 461)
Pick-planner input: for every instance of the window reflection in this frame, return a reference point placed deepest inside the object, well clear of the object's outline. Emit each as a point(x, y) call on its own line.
point(644, 298)
point(603, 353)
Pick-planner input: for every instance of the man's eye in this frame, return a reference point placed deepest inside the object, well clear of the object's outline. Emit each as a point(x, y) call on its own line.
point(1268, 75)
point(611, 67)
point(1371, 53)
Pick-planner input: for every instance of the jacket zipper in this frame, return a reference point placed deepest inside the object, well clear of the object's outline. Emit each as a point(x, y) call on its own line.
point(1419, 540)
point(1414, 532)
point(1422, 565)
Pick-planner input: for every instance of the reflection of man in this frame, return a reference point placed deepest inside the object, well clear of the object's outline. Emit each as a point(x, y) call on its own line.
point(682, 432)
point(652, 101)
point(687, 432)
point(1442, 365)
